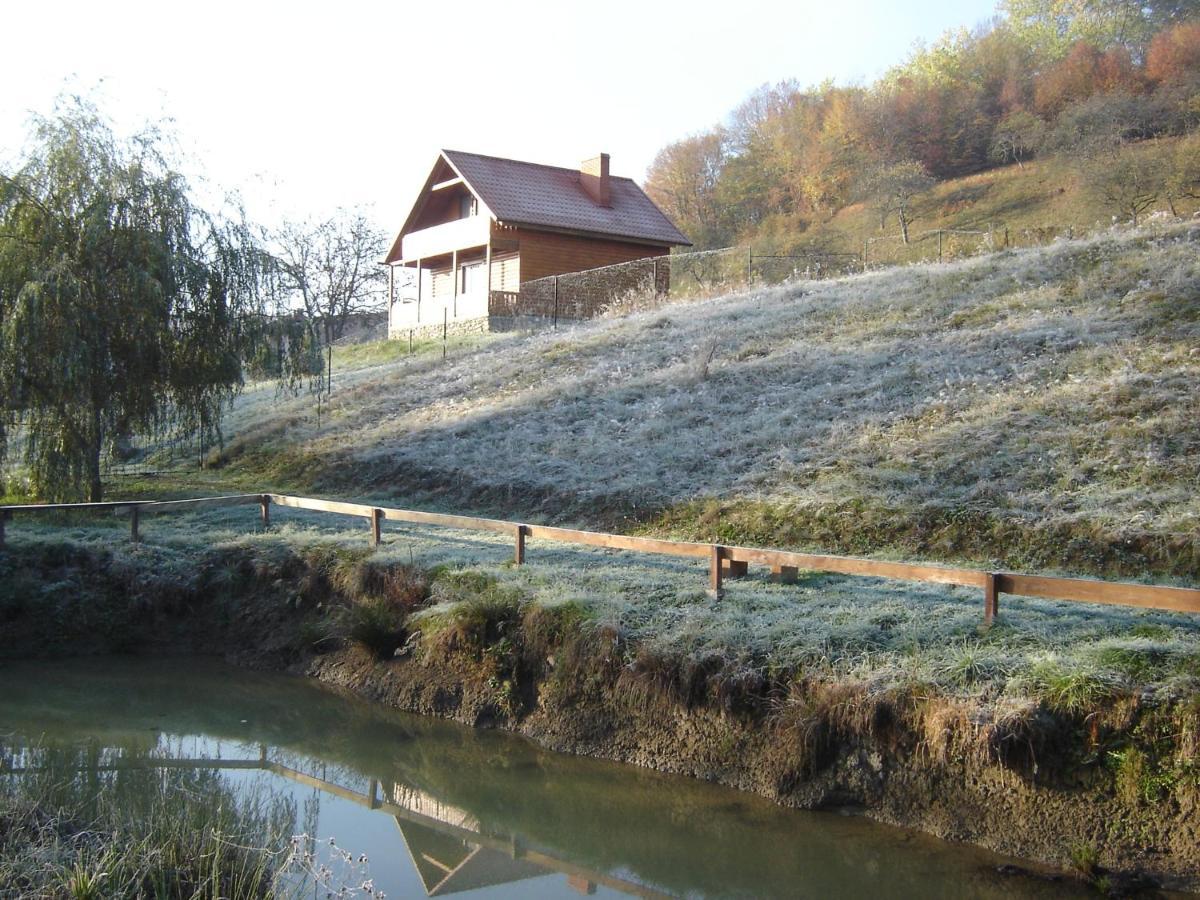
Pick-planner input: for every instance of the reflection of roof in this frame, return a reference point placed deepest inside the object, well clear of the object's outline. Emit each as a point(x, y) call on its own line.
point(448, 865)
point(523, 193)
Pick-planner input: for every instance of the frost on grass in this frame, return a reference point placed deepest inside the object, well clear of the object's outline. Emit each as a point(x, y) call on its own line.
point(1058, 384)
point(878, 631)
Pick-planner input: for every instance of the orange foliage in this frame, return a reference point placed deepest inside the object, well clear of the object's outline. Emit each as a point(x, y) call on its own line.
point(1081, 73)
point(1174, 52)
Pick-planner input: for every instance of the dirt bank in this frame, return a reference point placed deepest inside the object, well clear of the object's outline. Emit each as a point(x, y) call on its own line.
point(1110, 790)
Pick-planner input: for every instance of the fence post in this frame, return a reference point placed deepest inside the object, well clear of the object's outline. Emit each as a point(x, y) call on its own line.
point(991, 598)
point(410, 331)
point(4, 514)
point(555, 319)
point(265, 510)
point(940, 245)
point(519, 556)
point(1005, 237)
point(714, 572)
point(133, 525)
point(749, 264)
point(376, 526)
point(445, 321)
point(865, 243)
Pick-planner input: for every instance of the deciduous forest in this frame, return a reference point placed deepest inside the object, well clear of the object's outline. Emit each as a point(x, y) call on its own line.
point(1082, 80)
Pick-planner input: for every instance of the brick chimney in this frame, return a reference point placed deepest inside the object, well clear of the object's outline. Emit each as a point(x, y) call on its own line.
point(593, 176)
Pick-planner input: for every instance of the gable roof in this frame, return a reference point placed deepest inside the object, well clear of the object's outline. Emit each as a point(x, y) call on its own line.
point(541, 196)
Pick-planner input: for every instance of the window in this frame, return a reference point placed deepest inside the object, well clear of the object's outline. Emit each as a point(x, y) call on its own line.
point(471, 279)
point(467, 206)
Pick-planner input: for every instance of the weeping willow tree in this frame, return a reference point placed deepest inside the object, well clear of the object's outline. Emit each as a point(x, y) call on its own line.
point(124, 308)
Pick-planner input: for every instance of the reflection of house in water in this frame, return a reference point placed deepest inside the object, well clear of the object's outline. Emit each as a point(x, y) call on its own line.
point(449, 847)
point(446, 863)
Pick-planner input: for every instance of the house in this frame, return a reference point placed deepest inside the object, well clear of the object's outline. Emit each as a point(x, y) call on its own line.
point(483, 227)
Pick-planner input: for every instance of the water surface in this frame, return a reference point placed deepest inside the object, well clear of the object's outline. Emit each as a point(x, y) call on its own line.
point(441, 809)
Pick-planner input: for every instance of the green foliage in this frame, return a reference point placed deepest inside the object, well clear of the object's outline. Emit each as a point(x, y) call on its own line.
point(124, 308)
point(69, 830)
point(1071, 690)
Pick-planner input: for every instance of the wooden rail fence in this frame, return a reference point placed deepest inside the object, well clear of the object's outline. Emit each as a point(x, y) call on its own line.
point(723, 561)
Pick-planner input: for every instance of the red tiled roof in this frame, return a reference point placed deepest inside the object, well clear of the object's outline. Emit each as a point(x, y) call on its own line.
point(523, 193)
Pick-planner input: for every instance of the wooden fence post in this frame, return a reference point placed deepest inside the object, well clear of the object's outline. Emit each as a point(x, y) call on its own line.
point(4, 515)
point(133, 525)
point(940, 233)
point(519, 556)
point(991, 598)
point(265, 505)
point(376, 526)
point(749, 264)
point(554, 321)
point(714, 572)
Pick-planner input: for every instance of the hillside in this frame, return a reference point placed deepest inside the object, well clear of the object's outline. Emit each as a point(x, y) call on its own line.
point(1030, 204)
point(1036, 407)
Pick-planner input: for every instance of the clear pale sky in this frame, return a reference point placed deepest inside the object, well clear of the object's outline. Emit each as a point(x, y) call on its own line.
point(303, 107)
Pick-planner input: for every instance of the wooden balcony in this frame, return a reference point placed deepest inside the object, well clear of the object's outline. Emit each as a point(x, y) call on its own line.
point(438, 240)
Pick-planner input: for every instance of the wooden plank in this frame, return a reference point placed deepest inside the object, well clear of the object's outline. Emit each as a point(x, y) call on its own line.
point(735, 568)
point(715, 554)
point(160, 506)
point(784, 574)
point(620, 542)
point(376, 526)
point(333, 506)
point(519, 556)
point(466, 523)
point(74, 507)
point(850, 565)
point(1084, 590)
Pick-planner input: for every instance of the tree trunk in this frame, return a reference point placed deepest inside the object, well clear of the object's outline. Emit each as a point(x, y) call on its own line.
point(95, 485)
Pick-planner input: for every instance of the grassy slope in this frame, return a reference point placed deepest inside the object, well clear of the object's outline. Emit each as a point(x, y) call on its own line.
point(1044, 198)
point(1034, 408)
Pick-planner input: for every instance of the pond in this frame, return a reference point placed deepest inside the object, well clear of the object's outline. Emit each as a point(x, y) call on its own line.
point(423, 807)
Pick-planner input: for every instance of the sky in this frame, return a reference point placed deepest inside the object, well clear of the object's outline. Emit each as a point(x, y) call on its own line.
point(302, 108)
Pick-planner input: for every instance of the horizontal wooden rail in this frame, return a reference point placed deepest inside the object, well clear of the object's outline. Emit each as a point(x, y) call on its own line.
point(159, 506)
point(1085, 590)
point(74, 507)
point(619, 541)
point(721, 559)
point(852, 565)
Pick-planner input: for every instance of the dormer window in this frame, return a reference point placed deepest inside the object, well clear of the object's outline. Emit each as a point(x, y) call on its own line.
point(467, 206)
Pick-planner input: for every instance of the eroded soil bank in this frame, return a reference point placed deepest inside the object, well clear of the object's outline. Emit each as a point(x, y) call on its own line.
point(1107, 788)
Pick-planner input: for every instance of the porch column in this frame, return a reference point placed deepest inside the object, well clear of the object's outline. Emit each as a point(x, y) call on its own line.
point(418, 290)
point(391, 296)
point(454, 275)
point(488, 262)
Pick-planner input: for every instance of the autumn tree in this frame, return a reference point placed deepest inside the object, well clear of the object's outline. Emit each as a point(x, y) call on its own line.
point(1017, 137)
point(1174, 52)
point(1182, 181)
point(124, 307)
point(894, 189)
point(1129, 183)
point(683, 181)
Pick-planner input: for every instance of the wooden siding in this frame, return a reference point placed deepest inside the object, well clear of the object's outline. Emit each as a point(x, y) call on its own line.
point(545, 253)
point(506, 271)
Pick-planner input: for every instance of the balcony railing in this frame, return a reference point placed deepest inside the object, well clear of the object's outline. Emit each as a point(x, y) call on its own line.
point(437, 240)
